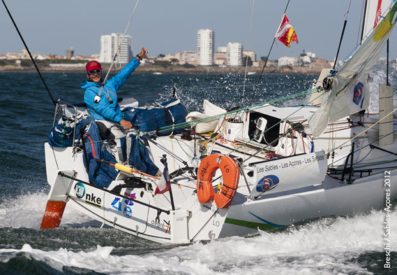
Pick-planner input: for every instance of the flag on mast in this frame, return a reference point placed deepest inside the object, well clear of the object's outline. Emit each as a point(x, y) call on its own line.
point(286, 33)
point(164, 183)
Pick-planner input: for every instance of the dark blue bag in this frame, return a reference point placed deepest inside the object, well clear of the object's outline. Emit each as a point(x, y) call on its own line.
point(178, 112)
point(61, 134)
point(163, 118)
point(139, 157)
point(143, 118)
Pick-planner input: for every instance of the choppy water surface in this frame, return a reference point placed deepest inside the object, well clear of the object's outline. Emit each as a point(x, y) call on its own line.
point(333, 245)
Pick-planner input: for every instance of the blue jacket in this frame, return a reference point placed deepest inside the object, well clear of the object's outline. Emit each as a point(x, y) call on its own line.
point(105, 110)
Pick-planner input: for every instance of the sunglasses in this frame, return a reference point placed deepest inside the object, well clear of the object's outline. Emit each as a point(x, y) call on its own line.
point(94, 71)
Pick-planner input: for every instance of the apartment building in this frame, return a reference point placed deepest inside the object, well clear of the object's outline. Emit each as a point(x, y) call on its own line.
point(205, 47)
point(110, 45)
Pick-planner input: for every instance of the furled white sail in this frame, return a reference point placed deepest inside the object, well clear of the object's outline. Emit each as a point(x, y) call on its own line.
point(336, 104)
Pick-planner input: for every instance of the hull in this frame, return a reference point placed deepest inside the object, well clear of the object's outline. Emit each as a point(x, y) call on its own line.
point(193, 221)
point(329, 199)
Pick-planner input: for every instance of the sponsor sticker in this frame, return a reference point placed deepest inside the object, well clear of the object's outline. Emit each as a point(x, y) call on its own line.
point(93, 200)
point(80, 190)
point(358, 94)
point(267, 182)
point(125, 208)
point(127, 212)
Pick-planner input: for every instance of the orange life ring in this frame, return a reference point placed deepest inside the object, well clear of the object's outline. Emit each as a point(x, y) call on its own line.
point(231, 176)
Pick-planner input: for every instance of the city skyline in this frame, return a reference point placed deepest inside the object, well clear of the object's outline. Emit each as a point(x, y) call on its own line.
point(171, 27)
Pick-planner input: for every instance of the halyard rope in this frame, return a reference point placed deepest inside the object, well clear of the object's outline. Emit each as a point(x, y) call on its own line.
point(111, 65)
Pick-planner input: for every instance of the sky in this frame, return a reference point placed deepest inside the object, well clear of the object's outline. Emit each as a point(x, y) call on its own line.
point(170, 26)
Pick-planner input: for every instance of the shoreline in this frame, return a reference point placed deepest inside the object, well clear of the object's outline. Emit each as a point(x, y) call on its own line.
point(151, 69)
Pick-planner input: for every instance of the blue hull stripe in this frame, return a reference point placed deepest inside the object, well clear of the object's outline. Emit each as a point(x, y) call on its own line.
point(273, 224)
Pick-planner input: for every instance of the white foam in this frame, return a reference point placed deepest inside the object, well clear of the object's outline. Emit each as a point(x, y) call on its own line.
point(27, 211)
point(378, 76)
point(326, 246)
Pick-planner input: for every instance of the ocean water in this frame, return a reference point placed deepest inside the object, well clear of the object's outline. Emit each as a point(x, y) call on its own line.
point(332, 245)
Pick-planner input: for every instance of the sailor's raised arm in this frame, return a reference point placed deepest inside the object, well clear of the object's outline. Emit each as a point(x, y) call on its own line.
point(120, 78)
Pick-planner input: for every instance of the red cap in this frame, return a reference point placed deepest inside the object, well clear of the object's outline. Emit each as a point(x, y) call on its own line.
point(93, 65)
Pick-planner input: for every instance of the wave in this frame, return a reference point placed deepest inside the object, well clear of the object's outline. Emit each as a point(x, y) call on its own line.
point(27, 211)
point(326, 246)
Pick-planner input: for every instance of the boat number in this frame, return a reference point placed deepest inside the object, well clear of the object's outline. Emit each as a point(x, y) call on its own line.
point(117, 204)
point(216, 223)
point(165, 225)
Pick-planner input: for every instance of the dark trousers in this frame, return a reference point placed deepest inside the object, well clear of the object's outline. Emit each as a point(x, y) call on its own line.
point(105, 133)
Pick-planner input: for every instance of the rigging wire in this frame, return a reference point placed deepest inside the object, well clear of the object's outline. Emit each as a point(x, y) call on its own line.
point(27, 49)
point(119, 48)
point(264, 84)
point(246, 57)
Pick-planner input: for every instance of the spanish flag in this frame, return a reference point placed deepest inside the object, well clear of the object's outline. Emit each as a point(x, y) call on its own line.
point(286, 33)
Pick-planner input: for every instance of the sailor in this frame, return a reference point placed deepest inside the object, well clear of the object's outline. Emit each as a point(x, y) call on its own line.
point(107, 109)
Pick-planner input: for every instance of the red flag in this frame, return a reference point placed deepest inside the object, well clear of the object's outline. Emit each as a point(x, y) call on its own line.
point(286, 33)
point(164, 183)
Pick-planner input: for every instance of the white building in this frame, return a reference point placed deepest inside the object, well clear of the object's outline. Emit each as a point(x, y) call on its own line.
point(110, 44)
point(234, 54)
point(222, 49)
point(205, 47)
point(287, 61)
point(188, 57)
point(24, 54)
point(307, 57)
point(250, 54)
point(312, 56)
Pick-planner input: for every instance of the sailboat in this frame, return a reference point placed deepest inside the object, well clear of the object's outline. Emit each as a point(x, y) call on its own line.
point(231, 173)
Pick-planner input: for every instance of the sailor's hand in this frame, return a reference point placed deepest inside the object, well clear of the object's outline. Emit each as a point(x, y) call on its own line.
point(143, 53)
point(126, 124)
